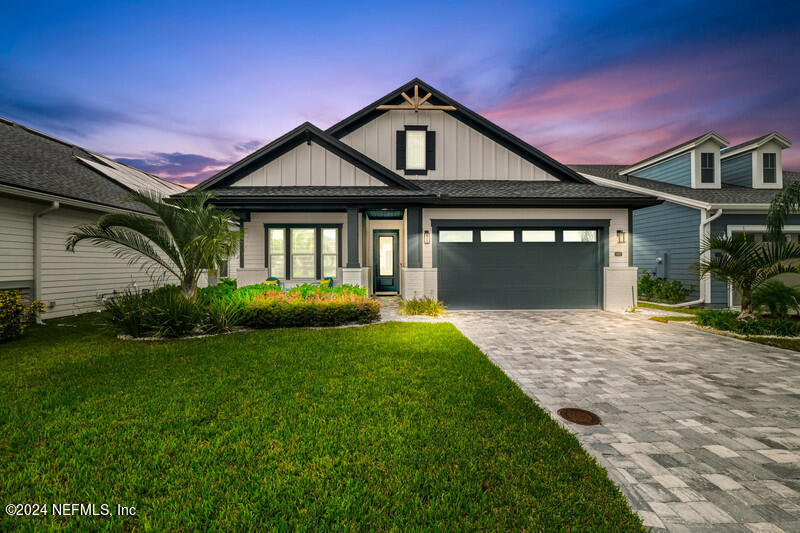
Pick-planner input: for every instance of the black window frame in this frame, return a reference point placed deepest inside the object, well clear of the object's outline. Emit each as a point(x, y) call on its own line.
point(770, 157)
point(707, 171)
point(287, 252)
point(430, 150)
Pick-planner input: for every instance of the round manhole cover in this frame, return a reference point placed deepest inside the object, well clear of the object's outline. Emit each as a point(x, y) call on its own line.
point(579, 416)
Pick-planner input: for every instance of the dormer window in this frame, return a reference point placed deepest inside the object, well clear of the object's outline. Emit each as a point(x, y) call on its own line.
point(770, 168)
point(416, 150)
point(707, 167)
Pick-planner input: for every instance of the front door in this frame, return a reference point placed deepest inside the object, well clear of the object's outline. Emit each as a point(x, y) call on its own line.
point(385, 260)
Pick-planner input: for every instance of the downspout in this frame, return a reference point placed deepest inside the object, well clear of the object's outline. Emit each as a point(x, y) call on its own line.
point(37, 251)
point(704, 296)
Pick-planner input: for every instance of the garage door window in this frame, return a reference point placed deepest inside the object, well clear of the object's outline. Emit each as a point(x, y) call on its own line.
point(450, 235)
point(544, 235)
point(497, 235)
point(581, 235)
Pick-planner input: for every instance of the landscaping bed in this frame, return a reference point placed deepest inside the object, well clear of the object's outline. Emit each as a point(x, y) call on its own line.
point(397, 426)
point(224, 307)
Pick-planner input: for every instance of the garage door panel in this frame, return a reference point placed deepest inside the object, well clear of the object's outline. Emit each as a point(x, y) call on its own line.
point(518, 275)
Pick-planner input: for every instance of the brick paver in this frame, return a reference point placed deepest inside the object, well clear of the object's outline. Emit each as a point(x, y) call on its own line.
point(700, 432)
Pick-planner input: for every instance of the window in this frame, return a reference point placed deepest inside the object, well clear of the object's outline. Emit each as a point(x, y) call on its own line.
point(707, 167)
point(303, 253)
point(770, 168)
point(449, 235)
point(545, 235)
point(277, 252)
point(580, 235)
point(330, 247)
point(415, 149)
point(504, 235)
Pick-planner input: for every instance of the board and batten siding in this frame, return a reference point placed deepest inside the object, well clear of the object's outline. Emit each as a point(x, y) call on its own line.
point(675, 170)
point(461, 151)
point(308, 165)
point(16, 240)
point(670, 228)
point(738, 170)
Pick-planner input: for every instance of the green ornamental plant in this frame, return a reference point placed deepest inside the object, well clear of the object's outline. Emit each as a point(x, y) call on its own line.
point(187, 236)
point(777, 298)
point(15, 316)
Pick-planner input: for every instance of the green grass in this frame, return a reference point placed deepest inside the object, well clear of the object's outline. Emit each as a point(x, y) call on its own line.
point(666, 319)
point(789, 344)
point(395, 426)
point(687, 310)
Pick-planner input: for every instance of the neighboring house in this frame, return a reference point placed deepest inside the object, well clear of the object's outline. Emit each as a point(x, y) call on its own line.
point(707, 188)
point(417, 195)
point(47, 187)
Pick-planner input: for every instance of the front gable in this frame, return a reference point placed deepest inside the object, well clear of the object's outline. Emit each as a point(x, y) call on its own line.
point(468, 146)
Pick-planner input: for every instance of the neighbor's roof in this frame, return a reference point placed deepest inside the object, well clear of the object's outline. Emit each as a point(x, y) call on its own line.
point(677, 149)
point(728, 194)
point(33, 161)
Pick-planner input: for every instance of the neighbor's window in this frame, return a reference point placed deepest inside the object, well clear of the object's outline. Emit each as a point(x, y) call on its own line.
point(707, 167)
point(770, 168)
point(538, 235)
point(303, 253)
point(415, 149)
point(329, 250)
point(495, 235)
point(580, 235)
point(450, 235)
point(277, 252)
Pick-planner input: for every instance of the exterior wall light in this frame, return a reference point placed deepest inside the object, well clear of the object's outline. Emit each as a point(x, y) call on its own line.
point(621, 236)
point(426, 237)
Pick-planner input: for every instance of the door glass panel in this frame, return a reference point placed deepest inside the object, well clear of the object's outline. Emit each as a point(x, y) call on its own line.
point(303, 240)
point(303, 266)
point(386, 255)
point(451, 235)
point(580, 235)
point(538, 235)
point(504, 235)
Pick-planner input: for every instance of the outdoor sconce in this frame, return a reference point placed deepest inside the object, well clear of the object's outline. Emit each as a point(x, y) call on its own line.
point(621, 236)
point(426, 237)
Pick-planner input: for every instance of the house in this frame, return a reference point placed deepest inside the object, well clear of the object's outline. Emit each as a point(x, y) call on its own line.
point(47, 187)
point(417, 195)
point(708, 187)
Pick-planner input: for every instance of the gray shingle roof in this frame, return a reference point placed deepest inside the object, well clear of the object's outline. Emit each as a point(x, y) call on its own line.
point(728, 194)
point(34, 161)
point(751, 141)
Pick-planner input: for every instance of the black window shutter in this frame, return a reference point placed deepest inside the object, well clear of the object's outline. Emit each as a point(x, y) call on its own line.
point(401, 150)
point(430, 150)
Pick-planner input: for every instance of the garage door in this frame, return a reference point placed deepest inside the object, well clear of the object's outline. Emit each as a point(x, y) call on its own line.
point(519, 268)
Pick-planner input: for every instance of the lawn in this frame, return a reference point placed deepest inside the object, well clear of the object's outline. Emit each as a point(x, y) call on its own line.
point(398, 426)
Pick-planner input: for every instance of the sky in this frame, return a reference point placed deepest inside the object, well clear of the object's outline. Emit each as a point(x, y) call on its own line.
point(184, 89)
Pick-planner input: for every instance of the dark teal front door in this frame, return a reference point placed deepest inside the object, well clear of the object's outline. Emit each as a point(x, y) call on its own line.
point(385, 261)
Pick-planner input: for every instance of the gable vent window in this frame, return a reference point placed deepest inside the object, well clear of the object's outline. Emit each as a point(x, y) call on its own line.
point(416, 150)
point(707, 167)
point(770, 168)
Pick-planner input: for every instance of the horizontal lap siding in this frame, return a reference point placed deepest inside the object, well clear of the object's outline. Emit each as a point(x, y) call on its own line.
point(676, 170)
point(461, 151)
point(673, 229)
point(16, 239)
point(738, 170)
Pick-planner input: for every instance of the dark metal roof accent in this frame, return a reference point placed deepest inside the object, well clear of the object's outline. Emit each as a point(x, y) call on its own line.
point(728, 194)
point(34, 161)
point(305, 132)
point(469, 117)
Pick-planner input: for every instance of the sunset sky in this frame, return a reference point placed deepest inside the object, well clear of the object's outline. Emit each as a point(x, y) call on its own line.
point(184, 89)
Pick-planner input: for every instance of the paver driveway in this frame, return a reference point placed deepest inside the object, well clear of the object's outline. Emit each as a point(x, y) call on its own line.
point(701, 432)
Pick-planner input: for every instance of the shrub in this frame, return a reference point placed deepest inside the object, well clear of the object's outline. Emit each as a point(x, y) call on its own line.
point(422, 306)
point(661, 290)
point(777, 298)
point(16, 316)
point(223, 289)
point(275, 309)
point(160, 313)
point(729, 321)
point(222, 315)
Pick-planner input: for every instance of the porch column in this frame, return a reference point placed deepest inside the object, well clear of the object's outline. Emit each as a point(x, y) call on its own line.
point(414, 237)
point(352, 238)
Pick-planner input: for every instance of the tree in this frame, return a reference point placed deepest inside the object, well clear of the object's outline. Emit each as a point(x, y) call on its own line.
point(786, 202)
point(746, 264)
point(186, 236)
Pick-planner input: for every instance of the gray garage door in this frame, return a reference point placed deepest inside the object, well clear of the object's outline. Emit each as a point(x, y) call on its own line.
point(493, 268)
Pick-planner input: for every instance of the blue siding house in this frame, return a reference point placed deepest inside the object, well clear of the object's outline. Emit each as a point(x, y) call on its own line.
point(708, 187)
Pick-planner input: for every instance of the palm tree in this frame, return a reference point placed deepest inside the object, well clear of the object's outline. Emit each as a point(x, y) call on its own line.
point(746, 264)
point(786, 202)
point(187, 235)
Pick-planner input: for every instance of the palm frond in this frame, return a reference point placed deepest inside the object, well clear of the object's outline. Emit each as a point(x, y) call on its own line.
point(786, 202)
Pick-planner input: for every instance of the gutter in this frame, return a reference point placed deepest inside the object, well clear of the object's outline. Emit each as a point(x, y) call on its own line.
point(705, 283)
point(37, 250)
point(680, 200)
